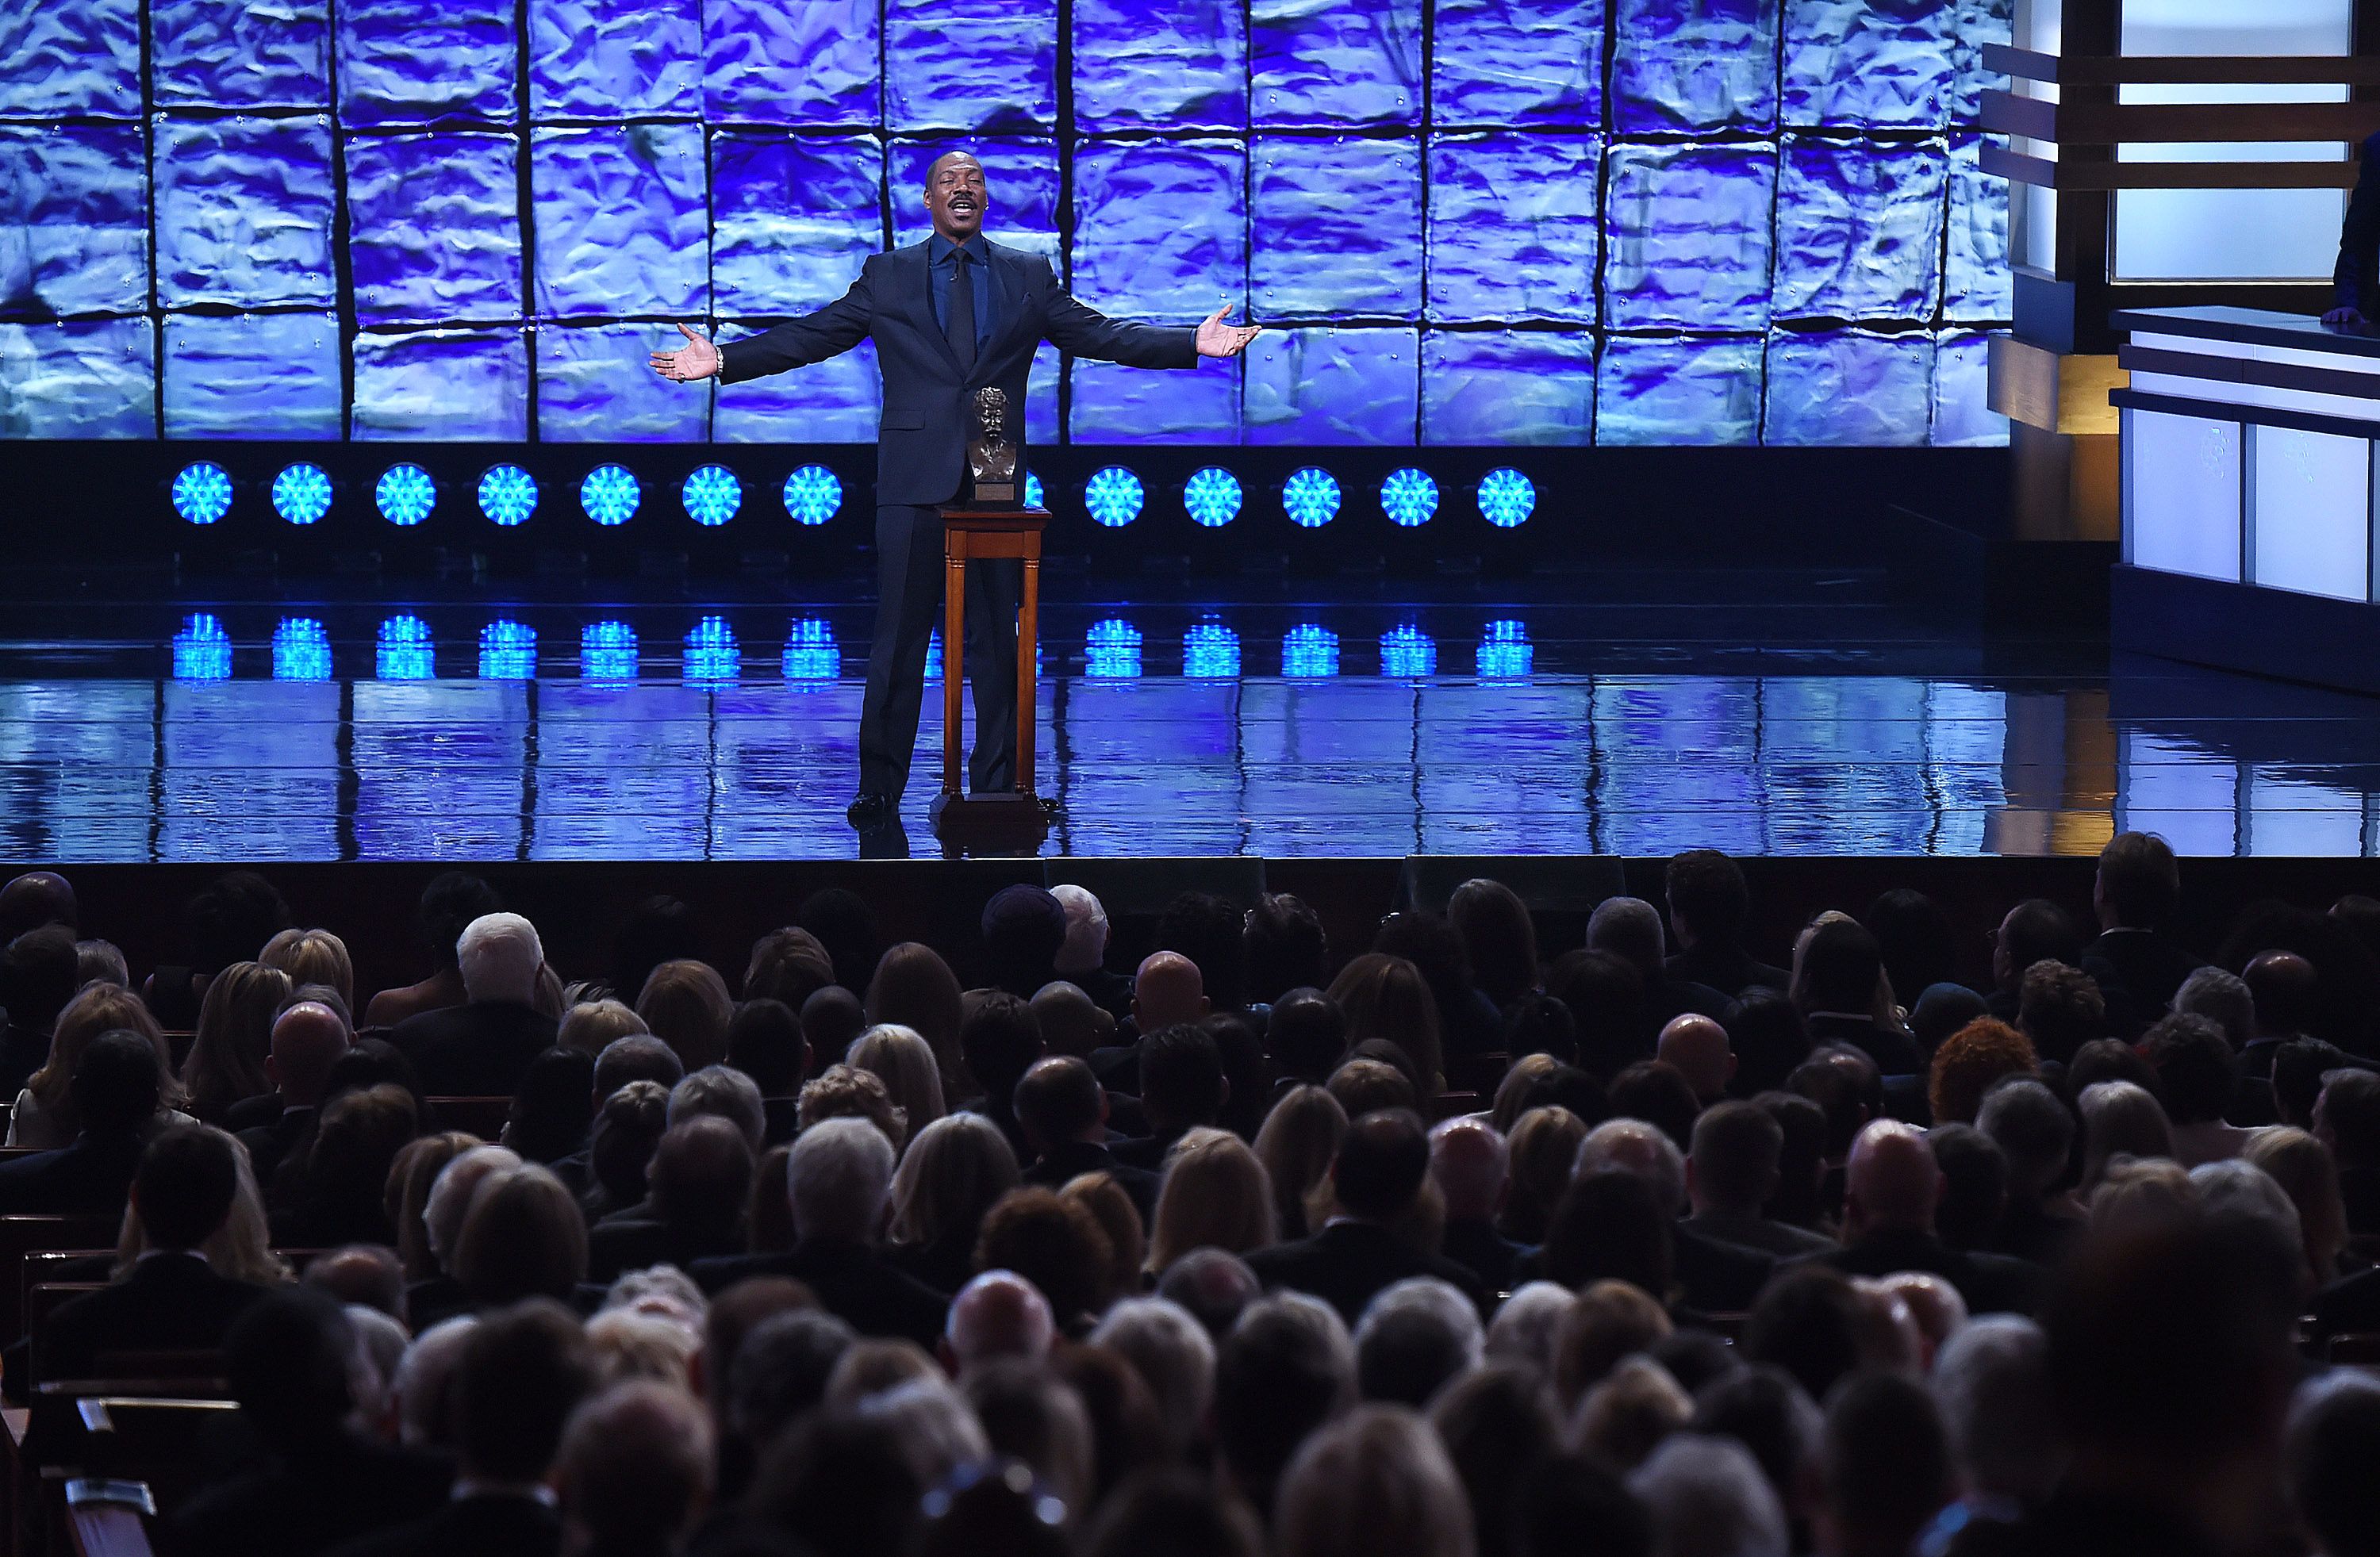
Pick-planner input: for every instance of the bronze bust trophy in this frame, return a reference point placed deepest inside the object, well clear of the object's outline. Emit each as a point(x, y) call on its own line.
point(992, 453)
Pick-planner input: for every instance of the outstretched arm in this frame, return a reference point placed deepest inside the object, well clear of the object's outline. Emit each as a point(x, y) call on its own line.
point(1076, 327)
point(838, 327)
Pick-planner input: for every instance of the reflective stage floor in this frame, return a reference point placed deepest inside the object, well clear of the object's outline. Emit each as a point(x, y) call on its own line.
point(228, 729)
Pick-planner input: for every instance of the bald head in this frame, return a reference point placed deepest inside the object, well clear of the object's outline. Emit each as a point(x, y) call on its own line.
point(307, 1039)
point(2282, 985)
point(33, 900)
point(1697, 1046)
point(1069, 1020)
point(1468, 1161)
point(1167, 992)
point(1893, 1182)
point(999, 1315)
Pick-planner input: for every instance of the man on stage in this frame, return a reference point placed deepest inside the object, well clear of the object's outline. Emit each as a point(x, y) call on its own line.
point(949, 315)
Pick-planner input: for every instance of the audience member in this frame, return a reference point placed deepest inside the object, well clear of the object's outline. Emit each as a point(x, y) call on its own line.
point(1713, 1275)
point(913, 988)
point(635, 1470)
point(1497, 935)
point(1708, 905)
point(1471, 1165)
point(1082, 957)
point(41, 970)
point(685, 1002)
point(2035, 1135)
point(553, 1109)
point(480, 1047)
point(1732, 1171)
point(1891, 1193)
point(2347, 1119)
point(1385, 997)
point(2197, 1078)
point(449, 904)
point(949, 1180)
point(1840, 974)
point(46, 1115)
point(225, 1065)
point(1299, 1137)
point(1696, 1047)
point(1375, 1178)
point(1215, 1195)
point(999, 1042)
point(307, 1039)
point(115, 1096)
point(2135, 896)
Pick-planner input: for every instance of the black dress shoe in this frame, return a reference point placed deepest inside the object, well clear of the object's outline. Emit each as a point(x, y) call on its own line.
point(873, 810)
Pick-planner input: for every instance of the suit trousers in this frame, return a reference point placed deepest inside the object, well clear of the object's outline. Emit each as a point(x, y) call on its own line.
point(908, 606)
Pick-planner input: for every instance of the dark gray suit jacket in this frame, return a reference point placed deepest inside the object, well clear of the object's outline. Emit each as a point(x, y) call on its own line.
point(921, 438)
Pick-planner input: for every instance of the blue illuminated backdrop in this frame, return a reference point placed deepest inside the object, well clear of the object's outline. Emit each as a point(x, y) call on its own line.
point(1527, 222)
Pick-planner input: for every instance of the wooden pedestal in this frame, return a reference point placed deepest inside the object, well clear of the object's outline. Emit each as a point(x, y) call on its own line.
point(1002, 823)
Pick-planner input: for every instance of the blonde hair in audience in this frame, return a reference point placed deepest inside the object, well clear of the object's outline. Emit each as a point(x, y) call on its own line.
point(241, 1248)
point(637, 1344)
point(846, 1091)
point(1111, 1208)
point(406, 1200)
point(951, 1174)
point(913, 988)
point(1216, 1194)
point(235, 1033)
point(312, 957)
point(905, 1062)
point(590, 1024)
point(1295, 1145)
point(1506, 1111)
point(2308, 1174)
point(99, 1008)
point(1374, 1483)
point(524, 1237)
point(686, 1004)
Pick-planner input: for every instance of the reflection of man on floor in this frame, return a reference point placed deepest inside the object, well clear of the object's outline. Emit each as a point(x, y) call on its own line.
point(951, 315)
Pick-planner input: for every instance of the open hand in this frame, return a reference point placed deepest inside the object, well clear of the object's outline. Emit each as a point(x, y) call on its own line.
point(697, 360)
point(2345, 317)
point(1217, 339)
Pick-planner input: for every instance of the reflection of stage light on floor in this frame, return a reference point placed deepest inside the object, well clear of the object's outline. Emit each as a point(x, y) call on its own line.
point(1032, 491)
point(712, 655)
point(1111, 653)
point(508, 651)
point(1211, 652)
point(1211, 496)
point(934, 656)
point(1408, 651)
point(1113, 497)
point(201, 649)
point(1308, 652)
point(607, 652)
point(405, 652)
point(609, 495)
point(202, 492)
point(1504, 652)
point(404, 495)
point(508, 495)
point(1506, 498)
point(813, 495)
point(1310, 498)
point(301, 650)
point(711, 494)
point(1408, 497)
point(810, 652)
point(301, 493)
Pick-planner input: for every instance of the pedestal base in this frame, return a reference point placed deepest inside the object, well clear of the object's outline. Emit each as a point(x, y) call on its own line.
point(1010, 824)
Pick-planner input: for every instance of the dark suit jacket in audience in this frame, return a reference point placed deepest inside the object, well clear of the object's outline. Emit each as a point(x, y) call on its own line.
point(620, 1244)
point(946, 1265)
point(2150, 965)
point(1348, 1262)
point(1083, 1156)
point(251, 1112)
point(1990, 1283)
point(270, 1142)
point(1895, 1052)
point(92, 1177)
point(1146, 1151)
point(478, 1050)
point(1718, 1278)
point(1728, 969)
point(854, 1282)
point(168, 1301)
point(349, 1485)
point(1781, 1239)
point(490, 1525)
point(1488, 1254)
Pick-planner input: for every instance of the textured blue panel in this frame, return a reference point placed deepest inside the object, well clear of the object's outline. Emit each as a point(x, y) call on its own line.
point(1041, 394)
point(1652, 390)
point(595, 386)
point(70, 56)
point(1517, 62)
point(244, 211)
point(1513, 226)
point(1333, 386)
point(434, 226)
point(444, 384)
point(1020, 179)
point(766, 62)
point(1685, 64)
point(1870, 63)
point(252, 376)
point(1849, 387)
point(1160, 229)
point(1977, 282)
point(1171, 65)
point(1859, 228)
point(241, 55)
point(1524, 387)
point(1975, 23)
point(1963, 419)
point(408, 61)
point(1337, 228)
point(74, 220)
point(1114, 404)
point(614, 59)
point(94, 378)
point(971, 65)
point(1325, 62)
point(830, 402)
point(621, 227)
point(791, 218)
point(1690, 236)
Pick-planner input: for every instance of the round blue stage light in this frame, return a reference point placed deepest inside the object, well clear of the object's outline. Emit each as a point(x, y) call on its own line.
point(1408, 497)
point(404, 495)
point(1308, 652)
point(301, 650)
point(711, 494)
point(1408, 652)
point(508, 495)
point(1506, 498)
point(202, 492)
point(405, 652)
point(301, 493)
point(508, 651)
point(813, 495)
point(607, 652)
point(609, 495)
point(1113, 497)
point(1032, 491)
point(1112, 651)
point(1505, 652)
point(1211, 496)
point(810, 652)
point(201, 649)
point(712, 653)
point(1310, 498)
point(1211, 652)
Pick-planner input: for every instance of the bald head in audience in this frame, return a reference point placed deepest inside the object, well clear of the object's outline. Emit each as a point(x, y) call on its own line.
point(1468, 1161)
point(1071, 1022)
point(1167, 991)
point(1893, 1183)
point(307, 1039)
point(999, 1315)
point(1697, 1046)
